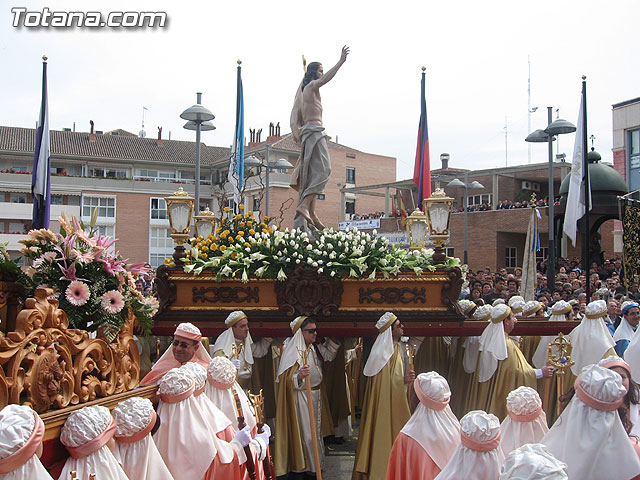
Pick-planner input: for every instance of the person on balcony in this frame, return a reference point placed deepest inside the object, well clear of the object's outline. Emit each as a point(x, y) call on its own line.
point(186, 347)
point(21, 434)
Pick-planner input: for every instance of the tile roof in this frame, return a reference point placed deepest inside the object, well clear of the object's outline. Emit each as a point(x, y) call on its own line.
point(112, 147)
point(287, 142)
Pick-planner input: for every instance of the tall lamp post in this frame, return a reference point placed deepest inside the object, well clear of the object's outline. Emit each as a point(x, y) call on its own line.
point(254, 161)
point(475, 185)
point(196, 116)
point(557, 127)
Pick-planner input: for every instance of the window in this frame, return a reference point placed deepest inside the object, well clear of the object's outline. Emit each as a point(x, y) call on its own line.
point(480, 199)
point(320, 196)
point(18, 198)
point(351, 175)
point(448, 251)
point(56, 199)
point(634, 159)
point(350, 207)
point(158, 209)
point(256, 203)
point(16, 227)
point(106, 207)
point(160, 245)
point(20, 169)
point(511, 257)
point(542, 253)
point(108, 172)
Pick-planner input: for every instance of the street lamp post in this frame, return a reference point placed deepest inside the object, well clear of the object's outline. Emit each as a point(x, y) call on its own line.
point(197, 116)
point(554, 128)
point(254, 161)
point(475, 185)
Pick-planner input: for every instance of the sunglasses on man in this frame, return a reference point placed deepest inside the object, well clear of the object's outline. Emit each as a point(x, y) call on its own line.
point(178, 343)
point(311, 330)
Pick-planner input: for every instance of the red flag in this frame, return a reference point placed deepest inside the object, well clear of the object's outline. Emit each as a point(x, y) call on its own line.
point(422, 168)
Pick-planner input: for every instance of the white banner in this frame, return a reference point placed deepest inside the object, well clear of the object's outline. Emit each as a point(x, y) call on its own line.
point(360, 224)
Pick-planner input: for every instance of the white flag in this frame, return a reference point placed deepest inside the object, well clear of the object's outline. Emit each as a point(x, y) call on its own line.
point(575, 207)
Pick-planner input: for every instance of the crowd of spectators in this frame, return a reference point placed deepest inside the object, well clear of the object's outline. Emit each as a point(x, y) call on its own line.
point(504, 205)
point(484, 286)
point(146, 283)
point(367, 216)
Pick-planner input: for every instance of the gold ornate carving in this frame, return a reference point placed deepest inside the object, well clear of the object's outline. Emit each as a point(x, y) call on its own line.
point(46, 365)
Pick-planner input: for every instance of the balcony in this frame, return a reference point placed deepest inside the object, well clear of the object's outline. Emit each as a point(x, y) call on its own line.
point(24, 211)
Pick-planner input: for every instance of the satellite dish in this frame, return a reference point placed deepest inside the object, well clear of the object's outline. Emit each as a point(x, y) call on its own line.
point(142, 134)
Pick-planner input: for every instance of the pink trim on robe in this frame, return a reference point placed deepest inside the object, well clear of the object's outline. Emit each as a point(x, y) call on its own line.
point(409, 460)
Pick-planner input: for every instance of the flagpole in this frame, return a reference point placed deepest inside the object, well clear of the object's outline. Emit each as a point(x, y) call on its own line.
point(587, 192)
point(421, 146)
point(41, 174)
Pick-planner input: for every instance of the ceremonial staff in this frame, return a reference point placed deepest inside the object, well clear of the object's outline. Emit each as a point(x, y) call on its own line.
point(562, 361)
point(312, 418)
point(267, 463)
point(411, 353)
point(251, 468)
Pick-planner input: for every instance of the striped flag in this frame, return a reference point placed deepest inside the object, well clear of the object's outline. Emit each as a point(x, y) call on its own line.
point(422, 168)
point(41, 173)
point(236, 166)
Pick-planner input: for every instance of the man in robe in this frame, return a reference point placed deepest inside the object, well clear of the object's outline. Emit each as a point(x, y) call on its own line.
point(294, 440)
point(237, 333)
point(627, 327)
point(312, 171)
point(427, 442)
point(501, 365)
point(385, 408)
point(186, 347)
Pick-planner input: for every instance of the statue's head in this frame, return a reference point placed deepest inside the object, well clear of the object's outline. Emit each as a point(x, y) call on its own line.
point(312, 73)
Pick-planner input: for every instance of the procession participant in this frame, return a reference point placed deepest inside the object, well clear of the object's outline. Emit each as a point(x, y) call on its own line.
point(185, 348)
point(185, 440)
point(237, 333)
point(88, 435)
point(526, 421)
point(222, 426)
point(455, 373)
point(294, 453)
point(501, 365)
point(590, 341)
point(221, 387)
point(478, 456)
point(385, 410)
point(589, 436)
point(135, 449)
point(217, 421)
point(630, 410)
point(427, 441)
point(467, 363)
point(533, 462)
point(21, 434)
point(628, 326)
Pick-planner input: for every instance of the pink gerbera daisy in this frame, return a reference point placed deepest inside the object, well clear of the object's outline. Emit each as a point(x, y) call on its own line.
point(77, 293)
point(112, 301)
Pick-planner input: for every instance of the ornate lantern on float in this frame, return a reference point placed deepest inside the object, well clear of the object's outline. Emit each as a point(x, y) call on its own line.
point(417, 228)
point(205, 223)
point(180, 210)
point(438, 207)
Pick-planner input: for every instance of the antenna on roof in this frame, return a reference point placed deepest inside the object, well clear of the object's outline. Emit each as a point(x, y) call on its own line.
point(142, 133)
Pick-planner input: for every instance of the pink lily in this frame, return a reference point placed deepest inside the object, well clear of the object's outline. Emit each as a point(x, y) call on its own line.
point(69, 273)
point(137, 268)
